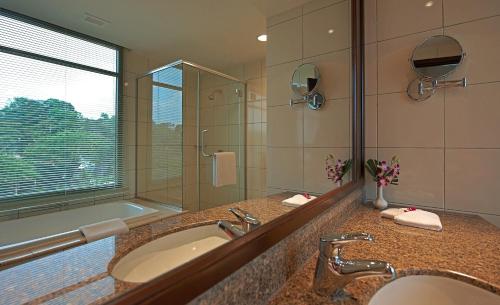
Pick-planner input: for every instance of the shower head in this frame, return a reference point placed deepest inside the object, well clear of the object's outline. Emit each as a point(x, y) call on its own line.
point(211, 96)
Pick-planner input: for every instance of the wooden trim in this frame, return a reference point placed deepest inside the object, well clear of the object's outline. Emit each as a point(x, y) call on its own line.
point(190, 280)
point(186, 282)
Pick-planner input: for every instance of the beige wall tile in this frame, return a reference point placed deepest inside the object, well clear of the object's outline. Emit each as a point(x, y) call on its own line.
point(472, 114)
point(328, 127)
point(371, 121)
point(253, 70)
point(317, 38)
point(254, 134)
point(370, 185)
point(371, 69)
point(278, 83)
point(472, 180)
point(334, 69)
point(394, 69)
point(403, 123)
point(315, 180)
point(370, 7)
point(318, 4)
point(284, 43)
point(285, 16)
point(135, 62)
point(285, 126)
point(402, 17)
point(285, 168)
point(458, 11)
point(255, 90)
point(422, 176)
point(482, 63)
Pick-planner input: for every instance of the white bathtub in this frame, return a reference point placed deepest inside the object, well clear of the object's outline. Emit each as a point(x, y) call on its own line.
point(29, 228)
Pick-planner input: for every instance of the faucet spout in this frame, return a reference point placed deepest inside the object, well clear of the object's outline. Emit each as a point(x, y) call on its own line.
point(231, 230)
point(333, 272)
point(365, 268)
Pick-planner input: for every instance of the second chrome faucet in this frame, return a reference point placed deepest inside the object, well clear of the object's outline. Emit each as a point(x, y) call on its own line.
point(247, 220)
point(333, 272)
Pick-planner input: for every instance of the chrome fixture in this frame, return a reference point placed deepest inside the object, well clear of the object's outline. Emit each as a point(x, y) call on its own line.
point(433, 60)
point(304, 84)
point(211, 96)
point(248, 223)
point(230, 229)
point(421, 89)
point(333, 272)
point(202, 144)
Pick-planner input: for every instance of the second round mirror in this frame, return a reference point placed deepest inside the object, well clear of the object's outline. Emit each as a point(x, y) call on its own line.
point(305, 79)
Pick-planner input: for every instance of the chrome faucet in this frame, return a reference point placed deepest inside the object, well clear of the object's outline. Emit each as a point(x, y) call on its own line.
point(248, 223)
point(333, 272)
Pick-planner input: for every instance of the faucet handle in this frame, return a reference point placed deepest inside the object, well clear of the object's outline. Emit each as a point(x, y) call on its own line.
point(248, 221)
point(330, 245)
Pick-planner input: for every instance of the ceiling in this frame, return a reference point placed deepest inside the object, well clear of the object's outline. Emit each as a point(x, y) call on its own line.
point(215, 33)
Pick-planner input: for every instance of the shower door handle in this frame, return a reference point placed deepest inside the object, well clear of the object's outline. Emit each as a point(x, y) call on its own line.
point(202, 142)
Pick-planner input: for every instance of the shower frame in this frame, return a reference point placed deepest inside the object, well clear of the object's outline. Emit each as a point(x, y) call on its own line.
point(199, 148)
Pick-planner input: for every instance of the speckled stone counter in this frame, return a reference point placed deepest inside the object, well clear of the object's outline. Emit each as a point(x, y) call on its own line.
point(468, 245)
point(81, 275)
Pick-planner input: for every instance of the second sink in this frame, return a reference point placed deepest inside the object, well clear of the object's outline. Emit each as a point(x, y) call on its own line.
point(426, 289)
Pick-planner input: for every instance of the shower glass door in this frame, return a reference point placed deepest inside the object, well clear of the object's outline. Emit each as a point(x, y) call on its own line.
point(220, 128)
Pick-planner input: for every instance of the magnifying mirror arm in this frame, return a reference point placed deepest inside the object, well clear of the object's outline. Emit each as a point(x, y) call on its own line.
point(301, 100)
point(449, 83)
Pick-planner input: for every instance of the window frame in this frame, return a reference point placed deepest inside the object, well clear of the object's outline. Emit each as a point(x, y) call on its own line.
point(34, 200)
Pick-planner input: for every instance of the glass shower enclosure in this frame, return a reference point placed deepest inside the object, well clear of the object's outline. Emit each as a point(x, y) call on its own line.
point(185, 113)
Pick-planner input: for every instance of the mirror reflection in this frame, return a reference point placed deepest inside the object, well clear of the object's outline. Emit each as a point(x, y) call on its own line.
point(305, 79)
point(133, 129)
point(437, 56)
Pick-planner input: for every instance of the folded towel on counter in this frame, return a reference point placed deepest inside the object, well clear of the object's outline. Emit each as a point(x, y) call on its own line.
point(224, 169)
point(297, 200)
point(419, 219)
point(103, 229)
point(392, 212)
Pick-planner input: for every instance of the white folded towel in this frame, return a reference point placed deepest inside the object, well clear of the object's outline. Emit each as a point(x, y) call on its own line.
point(297, 200)
point(224, 169)
point(103, 229)
point(392, 212)
point(419, 219)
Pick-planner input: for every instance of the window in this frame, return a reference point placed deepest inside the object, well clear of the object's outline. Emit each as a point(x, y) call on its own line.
point(59, 131)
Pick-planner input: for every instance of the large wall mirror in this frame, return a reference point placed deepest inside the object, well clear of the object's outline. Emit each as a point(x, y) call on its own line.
point(206, 134)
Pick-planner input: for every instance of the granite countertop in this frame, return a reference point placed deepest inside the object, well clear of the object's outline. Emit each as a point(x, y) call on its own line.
point(81, 275)
point(468, 245)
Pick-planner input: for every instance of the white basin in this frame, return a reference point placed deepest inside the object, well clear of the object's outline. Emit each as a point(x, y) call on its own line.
point(427, 290)
point(166, 253)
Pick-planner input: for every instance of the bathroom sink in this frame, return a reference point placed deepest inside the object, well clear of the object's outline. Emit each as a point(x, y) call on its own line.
point(166, 253)
point(426, 289)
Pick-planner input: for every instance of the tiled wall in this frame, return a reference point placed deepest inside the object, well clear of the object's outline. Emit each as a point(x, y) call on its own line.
point(448, 145)
point(134, 65)
point(298, 139)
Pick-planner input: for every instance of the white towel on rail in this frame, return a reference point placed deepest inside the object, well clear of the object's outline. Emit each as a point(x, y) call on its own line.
point(224, 169)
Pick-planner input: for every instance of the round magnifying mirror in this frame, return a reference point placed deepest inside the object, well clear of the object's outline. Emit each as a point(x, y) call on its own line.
point(305, 79)
point(437, 56)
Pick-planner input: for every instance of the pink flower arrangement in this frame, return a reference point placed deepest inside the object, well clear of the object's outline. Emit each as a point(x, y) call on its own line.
point(384, 173)
point(336, 168)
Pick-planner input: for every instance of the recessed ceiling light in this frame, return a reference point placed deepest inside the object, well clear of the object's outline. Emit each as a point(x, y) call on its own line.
point(330, 31)
point(429, 3)
point(262, 37)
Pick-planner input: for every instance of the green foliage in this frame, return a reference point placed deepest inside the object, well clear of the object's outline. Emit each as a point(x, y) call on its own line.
point(48, 145)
